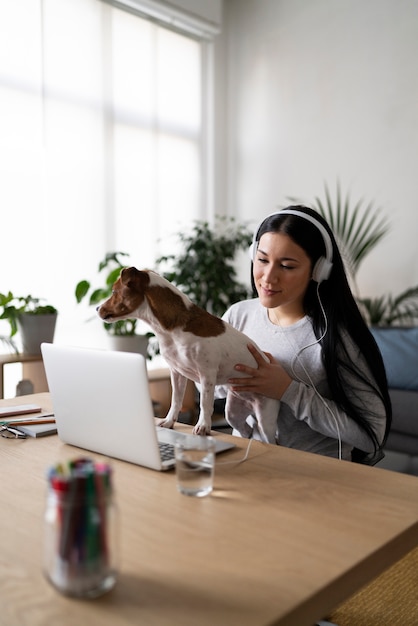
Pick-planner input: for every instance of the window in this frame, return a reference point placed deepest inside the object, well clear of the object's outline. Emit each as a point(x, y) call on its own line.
point(101, 145)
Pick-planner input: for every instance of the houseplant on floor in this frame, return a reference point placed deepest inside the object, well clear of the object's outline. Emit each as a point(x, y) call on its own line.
point(123, 334)
point(34, 320)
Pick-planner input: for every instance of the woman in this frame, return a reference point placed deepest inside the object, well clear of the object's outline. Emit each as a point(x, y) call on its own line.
point(324, 365)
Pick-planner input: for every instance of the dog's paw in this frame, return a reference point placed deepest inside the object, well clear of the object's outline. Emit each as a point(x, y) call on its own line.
point(165, 423)
point(201, 429)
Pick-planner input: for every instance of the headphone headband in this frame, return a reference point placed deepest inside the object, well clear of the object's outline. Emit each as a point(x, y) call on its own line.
point(323, 266)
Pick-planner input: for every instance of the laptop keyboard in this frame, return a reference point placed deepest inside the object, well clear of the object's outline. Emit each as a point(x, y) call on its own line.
point(166, 451)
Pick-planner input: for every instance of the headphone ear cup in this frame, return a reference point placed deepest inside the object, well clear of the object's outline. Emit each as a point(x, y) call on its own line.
point(322, 270)
point(251, 251)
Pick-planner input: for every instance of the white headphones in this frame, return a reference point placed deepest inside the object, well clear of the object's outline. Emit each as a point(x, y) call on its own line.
point(323, 266)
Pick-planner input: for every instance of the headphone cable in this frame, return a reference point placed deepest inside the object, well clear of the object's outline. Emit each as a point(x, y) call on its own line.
point(311, 383)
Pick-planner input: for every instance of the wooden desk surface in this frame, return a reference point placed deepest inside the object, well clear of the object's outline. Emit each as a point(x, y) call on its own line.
point(283, 539)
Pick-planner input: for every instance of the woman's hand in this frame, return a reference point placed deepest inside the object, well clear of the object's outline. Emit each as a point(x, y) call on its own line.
point(269, 378)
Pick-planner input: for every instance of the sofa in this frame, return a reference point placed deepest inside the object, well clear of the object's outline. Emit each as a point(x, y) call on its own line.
point(399, 348)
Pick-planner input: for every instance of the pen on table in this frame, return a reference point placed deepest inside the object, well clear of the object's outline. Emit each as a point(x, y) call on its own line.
point(48, 418)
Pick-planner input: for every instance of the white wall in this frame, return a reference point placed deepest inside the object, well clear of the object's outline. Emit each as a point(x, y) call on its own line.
point(319, 90)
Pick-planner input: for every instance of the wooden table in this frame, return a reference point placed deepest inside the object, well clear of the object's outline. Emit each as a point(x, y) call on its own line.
point(284, 538)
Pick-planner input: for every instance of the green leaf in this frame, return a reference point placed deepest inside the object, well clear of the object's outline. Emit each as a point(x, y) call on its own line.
point(98, 295)
point(81, 290)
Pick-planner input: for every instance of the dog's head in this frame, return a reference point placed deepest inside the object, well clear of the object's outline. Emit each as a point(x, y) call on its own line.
point(128, 293)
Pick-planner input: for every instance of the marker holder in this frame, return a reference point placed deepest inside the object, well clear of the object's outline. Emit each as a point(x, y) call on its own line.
point(80, 528)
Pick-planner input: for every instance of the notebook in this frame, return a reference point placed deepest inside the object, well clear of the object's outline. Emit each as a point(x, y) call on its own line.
point(101, 402)
point(38, 430)
point(29, 419)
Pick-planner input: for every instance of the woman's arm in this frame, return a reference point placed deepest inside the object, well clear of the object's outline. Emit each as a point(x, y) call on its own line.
point(268, 378)
point(321, 414)
point(328, 418)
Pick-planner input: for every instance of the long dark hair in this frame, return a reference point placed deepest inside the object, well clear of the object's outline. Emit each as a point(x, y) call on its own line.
point(342, 315)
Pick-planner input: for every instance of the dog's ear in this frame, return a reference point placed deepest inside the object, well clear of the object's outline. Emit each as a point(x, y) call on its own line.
point(128, 274)
point(134, 279)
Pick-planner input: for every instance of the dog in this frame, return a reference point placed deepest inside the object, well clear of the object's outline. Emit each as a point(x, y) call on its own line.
point(197, 346)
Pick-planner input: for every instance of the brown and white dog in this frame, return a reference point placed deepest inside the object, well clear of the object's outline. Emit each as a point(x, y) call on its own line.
point(196, 345)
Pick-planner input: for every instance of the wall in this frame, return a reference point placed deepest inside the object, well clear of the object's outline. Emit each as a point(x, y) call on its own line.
point(319, 90)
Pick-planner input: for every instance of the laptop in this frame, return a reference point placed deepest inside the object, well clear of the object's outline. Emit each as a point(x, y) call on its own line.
point(101, 401)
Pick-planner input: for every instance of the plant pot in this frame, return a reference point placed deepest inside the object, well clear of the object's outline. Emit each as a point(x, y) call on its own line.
point(36, 329)
point(130, 343)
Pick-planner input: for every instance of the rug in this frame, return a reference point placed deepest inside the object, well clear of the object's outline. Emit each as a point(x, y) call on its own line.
point(390, 600)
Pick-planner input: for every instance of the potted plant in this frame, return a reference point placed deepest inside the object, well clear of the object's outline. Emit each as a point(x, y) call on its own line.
point(204, 269)
point(123, 334)
point(34, 320)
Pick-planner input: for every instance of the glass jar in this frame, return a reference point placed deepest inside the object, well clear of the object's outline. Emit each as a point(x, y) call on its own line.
point(80, 530)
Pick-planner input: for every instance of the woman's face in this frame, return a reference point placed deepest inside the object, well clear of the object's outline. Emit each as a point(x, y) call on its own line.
point(282, 272)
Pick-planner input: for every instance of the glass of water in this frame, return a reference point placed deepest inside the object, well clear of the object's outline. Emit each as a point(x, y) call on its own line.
point(195, 465)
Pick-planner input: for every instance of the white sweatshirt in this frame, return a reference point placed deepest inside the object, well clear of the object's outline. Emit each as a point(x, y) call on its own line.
point(308, 419)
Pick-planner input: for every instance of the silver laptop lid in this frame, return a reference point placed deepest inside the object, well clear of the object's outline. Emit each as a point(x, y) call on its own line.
point(102, 402)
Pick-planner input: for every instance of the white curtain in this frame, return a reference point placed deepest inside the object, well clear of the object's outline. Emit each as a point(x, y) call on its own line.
point(100, 146)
